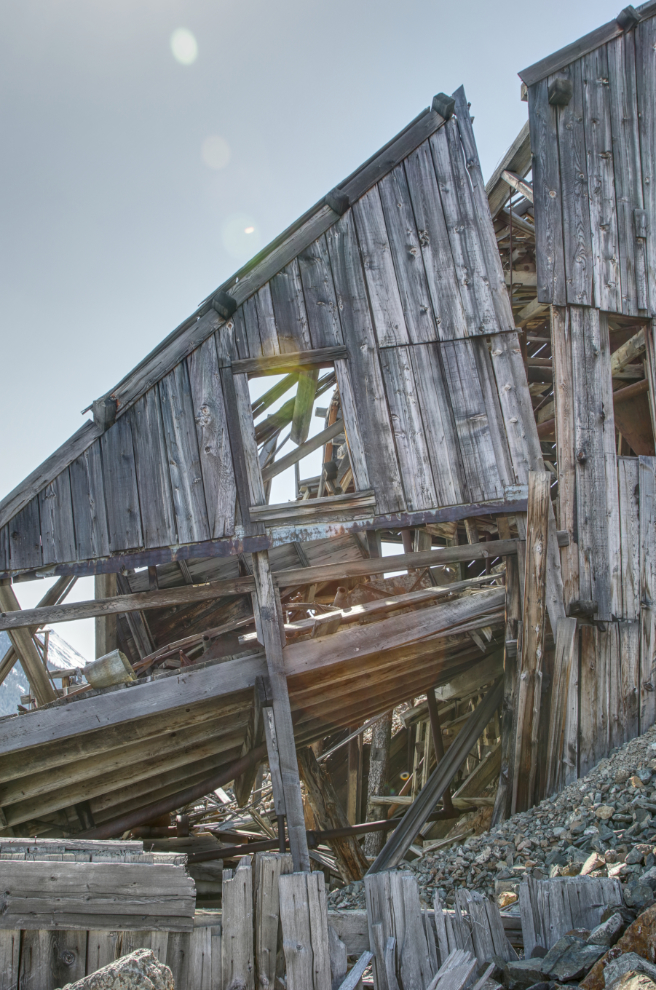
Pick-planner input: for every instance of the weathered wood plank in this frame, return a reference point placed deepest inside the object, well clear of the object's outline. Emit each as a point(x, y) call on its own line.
point(152, 471)
point(9, 957)
point(50, 959)
point(238, 961)
point(441, 438)
point(533, 632)
point(319, 292)
point(645, 39)
point(289, 309)
point(268, 869)
point(384, 298)
point(566, 634)
point(213, 439)
point(601, 181)
point(477, 453)
point(547, 198)
point(577, 234)
point(25, 537)
point(629, 518)
point(56, 512)
point(365, 374)
point(120, 487)
point(354, 439)
point(23, 493)
point(448, 310)
point(626, 161)
point(647, 500)
point(455, 191)
point(183, 457)
point(565, 447)
point(405, 249)
point(88, 500)
point(408, 427)
point(289, 361)
point(596, 462)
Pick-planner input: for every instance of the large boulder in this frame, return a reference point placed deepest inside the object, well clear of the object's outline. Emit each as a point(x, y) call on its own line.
point(140, 970)
point(640, 937)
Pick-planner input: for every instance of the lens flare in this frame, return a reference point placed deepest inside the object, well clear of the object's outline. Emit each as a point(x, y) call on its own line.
point(240, 236)
point(184, 46)
point(215, 152)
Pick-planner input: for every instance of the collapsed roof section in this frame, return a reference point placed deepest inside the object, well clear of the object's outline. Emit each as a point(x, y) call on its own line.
point(394, 285)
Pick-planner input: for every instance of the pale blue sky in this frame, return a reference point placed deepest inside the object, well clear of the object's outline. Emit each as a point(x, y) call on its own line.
point(115, 220)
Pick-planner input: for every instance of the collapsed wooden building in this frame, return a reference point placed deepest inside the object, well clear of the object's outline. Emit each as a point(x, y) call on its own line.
point(487, 359)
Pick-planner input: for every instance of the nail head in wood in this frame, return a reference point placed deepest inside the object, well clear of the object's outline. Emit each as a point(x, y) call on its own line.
point(338, 201)
point(628, 18)
point(444, 105)
point(224, 304)
point(104, 412)
point(560, 91)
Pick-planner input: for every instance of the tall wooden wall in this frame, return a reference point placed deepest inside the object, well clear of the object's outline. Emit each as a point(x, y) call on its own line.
point(594, 185)
point(409, 280)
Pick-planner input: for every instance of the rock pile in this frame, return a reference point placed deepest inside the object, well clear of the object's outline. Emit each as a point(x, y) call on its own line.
point(603, 824)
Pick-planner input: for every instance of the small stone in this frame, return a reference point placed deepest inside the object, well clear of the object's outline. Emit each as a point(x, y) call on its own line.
point(635, 782)
point(635, 856)
point(593, 862)
point(506, 898)
point(645, 774)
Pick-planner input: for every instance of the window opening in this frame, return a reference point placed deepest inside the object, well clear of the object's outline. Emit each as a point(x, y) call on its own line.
point(293, 410)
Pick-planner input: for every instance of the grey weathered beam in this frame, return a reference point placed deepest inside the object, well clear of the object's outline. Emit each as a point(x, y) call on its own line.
point(280, 364)
point(25, 647)
point(164, 598)
point(517, 159)
point(301, 451)
point(417, 814)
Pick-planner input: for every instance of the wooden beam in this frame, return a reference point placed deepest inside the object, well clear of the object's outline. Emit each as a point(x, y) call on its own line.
point(53, 596)
point(518, 183)
point(280, 364)
point(329, 814)
point(628, 352)
point(16, 618)
point(533, 630)
point(270, 625)
point(25, 648)
point(518, 159)
point(302, 451)
point(418, 813)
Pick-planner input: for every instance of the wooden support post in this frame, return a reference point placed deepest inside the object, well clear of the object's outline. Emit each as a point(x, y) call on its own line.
point(272, 634)
point(328, 814)
point(565, 650)
point(378, 769)
point(268, 869)
point(25, 647)
point(354, 779)
point(510, 675)
point(438, 744)
point(533, 629)
point(237, 922)
point(304, 920)
point(105, 586)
